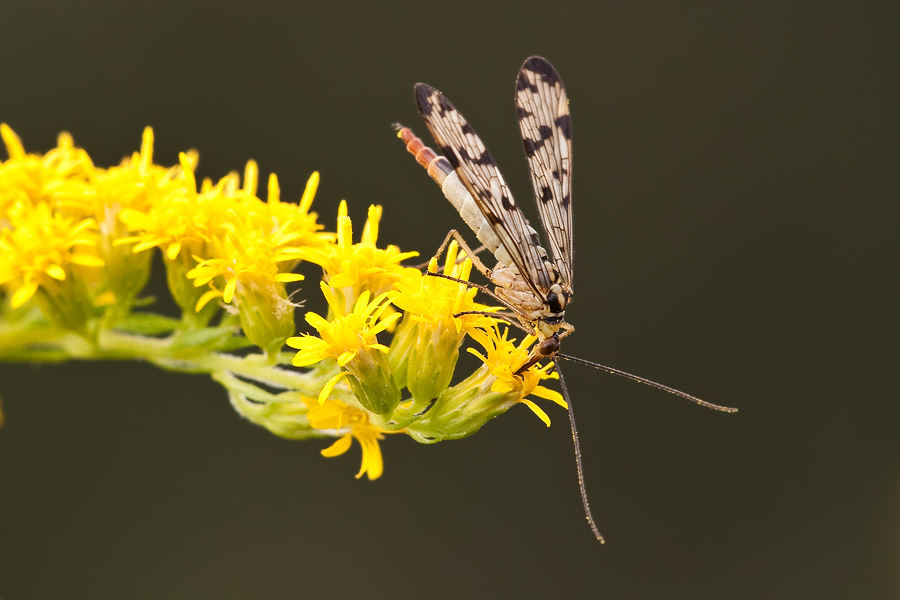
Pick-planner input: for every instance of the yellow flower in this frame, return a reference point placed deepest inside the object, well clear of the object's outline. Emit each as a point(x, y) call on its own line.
point(351, 340)
point(503, 357)
point(136, 184)
point(39, 179)
point(436, 301)
point(426, 345)
point(338, 418)
point(248, 255)
point(361, 266)
point(39, 247)
point(343, 338)
point(180, 217)
point(294, 221)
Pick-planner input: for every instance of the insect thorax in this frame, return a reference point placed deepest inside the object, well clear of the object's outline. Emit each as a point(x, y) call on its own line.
point(546, 315)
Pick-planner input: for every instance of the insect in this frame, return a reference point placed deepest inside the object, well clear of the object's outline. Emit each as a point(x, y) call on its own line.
point(536, 286)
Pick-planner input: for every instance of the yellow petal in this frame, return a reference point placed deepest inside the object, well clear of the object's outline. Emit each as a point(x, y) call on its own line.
point(304, 342)
point(304, 358)
point(86, 260)
point(548, 394)
point(187, 168)
point(346, 357)
point(501, 387)
point(372, 463)
point(326, 391)
point(310, 192)
point(205, 298)
point(228, 293)
point(339, 447)
point(476, 352)
point(107, 298)
point(144, 246)
point(317, 321)
point(341, 280)
point(23, 294)
point(331, 300)
point(56, 272)
point(251, 177)
point(13, 144)
point(288, 277)
point(385, 323)
point(538, 411)
point(362, 303)
point(146, 151)
point(274, 191)
point(173, 250)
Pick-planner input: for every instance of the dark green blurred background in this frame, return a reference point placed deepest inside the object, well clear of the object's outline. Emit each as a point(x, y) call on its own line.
point(736, 190)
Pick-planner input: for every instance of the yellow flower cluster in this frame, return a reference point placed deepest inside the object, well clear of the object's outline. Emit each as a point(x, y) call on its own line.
point(75, 248)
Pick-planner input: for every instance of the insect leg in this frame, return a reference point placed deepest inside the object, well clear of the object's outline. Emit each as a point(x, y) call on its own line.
point(453, 234)
point(506, 317)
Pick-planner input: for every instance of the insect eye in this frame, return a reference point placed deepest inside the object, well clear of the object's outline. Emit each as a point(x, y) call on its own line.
point(553, 301)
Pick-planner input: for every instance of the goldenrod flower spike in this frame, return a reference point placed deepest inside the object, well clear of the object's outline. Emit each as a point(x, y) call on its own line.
point(75, 250)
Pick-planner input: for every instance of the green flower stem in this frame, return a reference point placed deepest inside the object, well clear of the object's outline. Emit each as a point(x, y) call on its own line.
point(51, 344)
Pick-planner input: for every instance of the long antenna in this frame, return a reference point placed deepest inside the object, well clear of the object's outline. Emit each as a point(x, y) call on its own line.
point(653, 384)
point(584, 499)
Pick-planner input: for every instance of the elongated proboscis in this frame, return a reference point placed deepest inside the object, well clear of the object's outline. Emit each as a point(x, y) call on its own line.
point(652, 384)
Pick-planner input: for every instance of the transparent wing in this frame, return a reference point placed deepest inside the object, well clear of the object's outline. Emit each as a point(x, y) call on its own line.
point(543, 112)
point(478, 171)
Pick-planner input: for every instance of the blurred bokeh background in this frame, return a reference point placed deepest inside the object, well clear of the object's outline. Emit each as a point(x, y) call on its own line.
point(736, 198)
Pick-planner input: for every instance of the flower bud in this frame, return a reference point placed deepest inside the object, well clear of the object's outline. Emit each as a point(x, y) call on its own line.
point(67, 303)
point(463, 409)
point(125, 273)
point(267, 316)
point(183, 290)
point(402, 344)
point(285, 415)
point(432, 360)
point(370, 378)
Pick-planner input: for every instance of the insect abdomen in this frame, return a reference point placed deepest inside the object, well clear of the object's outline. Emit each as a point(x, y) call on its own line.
point(442, 172)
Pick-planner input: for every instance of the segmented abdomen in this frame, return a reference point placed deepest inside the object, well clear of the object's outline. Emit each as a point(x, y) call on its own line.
point(442, 172)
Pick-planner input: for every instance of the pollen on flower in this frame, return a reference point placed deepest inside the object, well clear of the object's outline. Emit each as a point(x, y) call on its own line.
point(340, 419)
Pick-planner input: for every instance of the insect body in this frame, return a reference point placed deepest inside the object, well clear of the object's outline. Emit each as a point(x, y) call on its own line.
point(534, 284)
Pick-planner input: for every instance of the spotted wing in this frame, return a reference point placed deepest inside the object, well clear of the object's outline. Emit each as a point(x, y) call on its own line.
point(478, 171)
point(546, 126)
